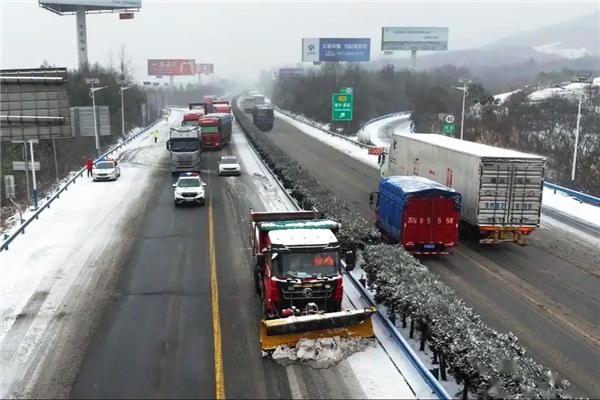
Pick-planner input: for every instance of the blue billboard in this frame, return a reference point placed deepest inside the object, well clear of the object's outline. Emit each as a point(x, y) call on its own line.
point(351, 50)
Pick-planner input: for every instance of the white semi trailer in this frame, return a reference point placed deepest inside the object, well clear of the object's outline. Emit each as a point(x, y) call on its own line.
point(501, 189)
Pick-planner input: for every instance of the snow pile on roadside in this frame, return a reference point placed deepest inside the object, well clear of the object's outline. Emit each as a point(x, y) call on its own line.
point(380, 132)
point(570, 205)
point(502, 97)
point(345, 146)
point(321, 353)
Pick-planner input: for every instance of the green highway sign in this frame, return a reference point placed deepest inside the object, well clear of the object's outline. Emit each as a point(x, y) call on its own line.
point(449, 129)
point(347, 90)
point(341, 107)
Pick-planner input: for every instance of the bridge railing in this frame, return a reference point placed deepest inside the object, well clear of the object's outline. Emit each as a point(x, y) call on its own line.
point(584, 197)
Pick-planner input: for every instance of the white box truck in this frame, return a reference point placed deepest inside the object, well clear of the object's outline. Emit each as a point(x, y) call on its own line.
point(501, 189)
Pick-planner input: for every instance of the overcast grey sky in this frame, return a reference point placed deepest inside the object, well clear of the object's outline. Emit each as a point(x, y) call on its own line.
point(242, 38)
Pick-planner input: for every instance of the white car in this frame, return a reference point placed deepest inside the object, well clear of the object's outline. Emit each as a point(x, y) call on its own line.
point(229, 165)
point(189, 189)
point(106, 170)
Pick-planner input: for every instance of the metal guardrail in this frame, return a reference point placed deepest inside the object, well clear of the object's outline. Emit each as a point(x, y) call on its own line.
point(578, 195)
point(423, 371)
point(63, 188)
point(384, 117)
point(421, 368)
point(293, 116)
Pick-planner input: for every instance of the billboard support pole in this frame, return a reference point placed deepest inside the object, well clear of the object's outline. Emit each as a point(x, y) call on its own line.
point(26, 169)
point(413, 59)
point(55, 159)
point(35, 194)
point(81, 37)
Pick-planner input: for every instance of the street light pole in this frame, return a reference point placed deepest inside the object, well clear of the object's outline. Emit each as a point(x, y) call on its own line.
point(121, 90)
point(576, 136)
point(465, 91)
point(93, 90)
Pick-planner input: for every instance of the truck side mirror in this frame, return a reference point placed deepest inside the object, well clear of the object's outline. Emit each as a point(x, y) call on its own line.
point(373, 200)
point(260, 260)
point(350, 258)
point(381, 159)
point(168, 143)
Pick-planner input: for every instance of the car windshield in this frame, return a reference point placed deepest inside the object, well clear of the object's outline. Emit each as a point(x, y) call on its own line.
point(105, 165)
point(229, 161)
point(306, 265)
point(184, 145)
point(189, 182)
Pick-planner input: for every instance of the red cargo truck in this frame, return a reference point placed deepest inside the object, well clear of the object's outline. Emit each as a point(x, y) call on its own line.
point(418, 213)
point(191, 119)
point(215, 130)
point(221, 107)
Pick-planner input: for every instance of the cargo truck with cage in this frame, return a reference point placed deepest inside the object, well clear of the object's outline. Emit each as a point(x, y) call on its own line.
point(501, 189)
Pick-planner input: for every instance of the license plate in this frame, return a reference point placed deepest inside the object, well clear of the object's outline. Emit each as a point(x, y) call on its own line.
point(429, 246)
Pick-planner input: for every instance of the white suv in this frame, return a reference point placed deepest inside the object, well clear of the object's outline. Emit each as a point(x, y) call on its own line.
point(229, 165)
point(189, 189)
point(106, 170)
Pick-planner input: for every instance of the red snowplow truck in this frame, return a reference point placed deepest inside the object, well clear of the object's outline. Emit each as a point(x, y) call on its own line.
point(215, 130)
point(297, 272)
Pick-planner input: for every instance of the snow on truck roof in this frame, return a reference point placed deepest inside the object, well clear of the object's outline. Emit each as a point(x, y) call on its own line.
point(304, 237)
point(467, 147)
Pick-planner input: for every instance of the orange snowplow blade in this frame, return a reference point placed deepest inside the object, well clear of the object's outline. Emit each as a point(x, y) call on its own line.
point(288, 331)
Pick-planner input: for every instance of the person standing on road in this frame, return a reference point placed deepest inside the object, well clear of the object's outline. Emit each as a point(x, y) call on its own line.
point(154, 134)
point(89, 166)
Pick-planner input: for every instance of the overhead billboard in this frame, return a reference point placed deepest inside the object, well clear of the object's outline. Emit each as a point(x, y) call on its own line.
point(34, 104)
point(414, 38)
point(70, 6)
point(205, 69)
point(336, 49)
point(288, 73)
point(178, 67)
point(168, 67)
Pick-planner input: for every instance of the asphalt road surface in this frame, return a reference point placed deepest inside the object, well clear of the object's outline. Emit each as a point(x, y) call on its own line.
point(158, 336)
point(546, 293)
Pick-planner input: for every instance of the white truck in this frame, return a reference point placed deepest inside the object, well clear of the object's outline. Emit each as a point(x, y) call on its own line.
point(501, 189)
point(184, 147)
point(251, 101)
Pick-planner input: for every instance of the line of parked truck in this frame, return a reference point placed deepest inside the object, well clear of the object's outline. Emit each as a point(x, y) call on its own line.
point(429, 182)
point(207, 125)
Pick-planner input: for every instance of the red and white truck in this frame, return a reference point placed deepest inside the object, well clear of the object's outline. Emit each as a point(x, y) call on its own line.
point(298, 274)
point(215, 130)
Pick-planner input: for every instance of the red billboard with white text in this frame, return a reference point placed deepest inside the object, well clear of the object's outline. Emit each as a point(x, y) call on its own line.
point(171, 67)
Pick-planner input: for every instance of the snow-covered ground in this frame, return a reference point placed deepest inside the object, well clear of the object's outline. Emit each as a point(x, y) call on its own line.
point(554, 48)
point(380, 132)
point(502, 97)
point(566, 204)
point(54, 274)
point(346, 146)
point(570, 91)
point(570, 205)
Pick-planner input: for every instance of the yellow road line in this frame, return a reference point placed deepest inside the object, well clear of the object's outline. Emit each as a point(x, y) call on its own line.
point(214, 294)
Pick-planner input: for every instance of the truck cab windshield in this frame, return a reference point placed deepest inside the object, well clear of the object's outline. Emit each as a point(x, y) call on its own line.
point(183, 145)
point(306, 265)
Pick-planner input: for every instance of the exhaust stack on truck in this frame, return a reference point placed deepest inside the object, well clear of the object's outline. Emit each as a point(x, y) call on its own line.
point(501, 189)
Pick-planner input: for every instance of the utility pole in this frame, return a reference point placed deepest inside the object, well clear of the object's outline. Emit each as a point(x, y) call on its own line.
point(93, 91)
